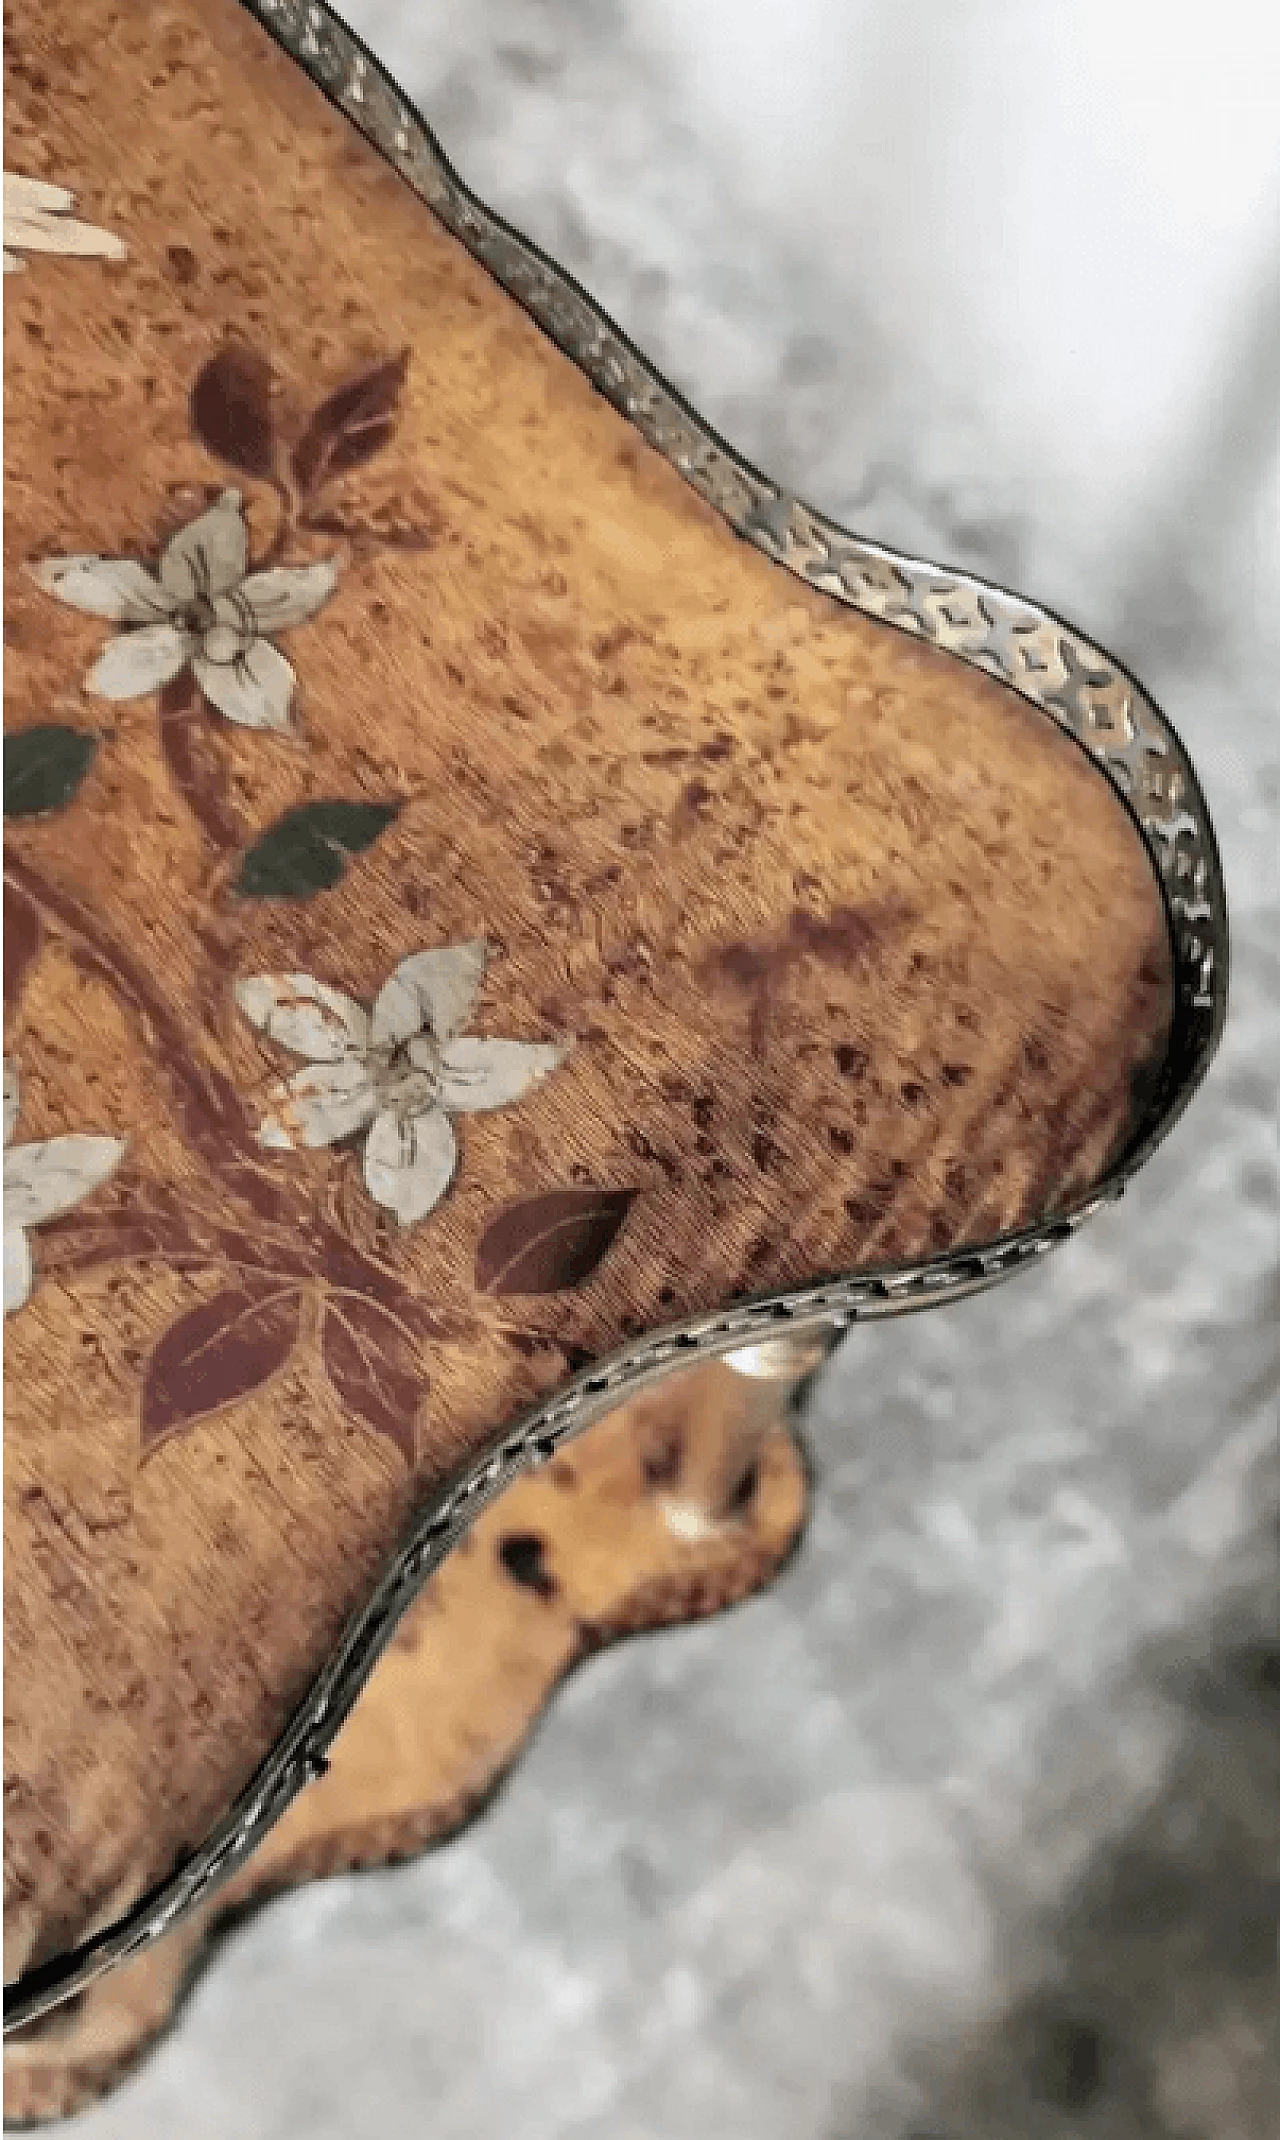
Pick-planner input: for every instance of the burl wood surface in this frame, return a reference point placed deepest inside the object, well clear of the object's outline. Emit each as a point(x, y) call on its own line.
point(676, 1506)
point(852, 955)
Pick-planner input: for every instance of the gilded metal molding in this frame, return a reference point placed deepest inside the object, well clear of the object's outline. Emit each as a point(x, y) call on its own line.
point(1048, 663)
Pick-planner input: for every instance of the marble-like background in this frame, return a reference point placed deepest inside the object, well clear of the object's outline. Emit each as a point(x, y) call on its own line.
point(970, 1828)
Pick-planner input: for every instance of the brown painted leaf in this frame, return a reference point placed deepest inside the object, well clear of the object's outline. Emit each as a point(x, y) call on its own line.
point(231, 409)
point(350, 425)
point(549, 1243)
point(373, 1368)
point(23, 935)
point(222, 1349)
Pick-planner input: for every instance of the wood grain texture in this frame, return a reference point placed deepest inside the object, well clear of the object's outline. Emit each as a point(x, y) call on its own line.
point(674, 1507)
point(855, 956)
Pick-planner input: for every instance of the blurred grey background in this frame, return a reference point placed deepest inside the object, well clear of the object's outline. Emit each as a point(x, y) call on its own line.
point(970, 1828)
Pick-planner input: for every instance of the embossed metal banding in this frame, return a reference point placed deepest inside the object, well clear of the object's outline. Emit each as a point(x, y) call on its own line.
point(1084, 691)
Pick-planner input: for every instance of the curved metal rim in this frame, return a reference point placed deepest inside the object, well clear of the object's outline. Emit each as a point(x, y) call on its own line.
point(1085, 691)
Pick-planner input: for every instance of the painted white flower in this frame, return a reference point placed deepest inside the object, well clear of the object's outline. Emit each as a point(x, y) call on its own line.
point(201, 606)
point(400, 1070)
point(40, 1180)
point(36, 221)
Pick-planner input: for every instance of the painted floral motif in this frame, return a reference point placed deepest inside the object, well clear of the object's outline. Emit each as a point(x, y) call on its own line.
point(399, 1071)
point(40, 1181)
point(200, 628)
point(203, 609)
point(282, 1276)
point(36, 220)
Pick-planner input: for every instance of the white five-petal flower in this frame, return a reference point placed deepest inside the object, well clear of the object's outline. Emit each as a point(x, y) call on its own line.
point(202, 605)
point(400, 1070)
point(40, 1180)
point(36, 221)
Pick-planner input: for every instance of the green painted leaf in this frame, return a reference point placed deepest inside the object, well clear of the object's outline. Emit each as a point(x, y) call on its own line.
point(43, 767)
point(307, 850)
